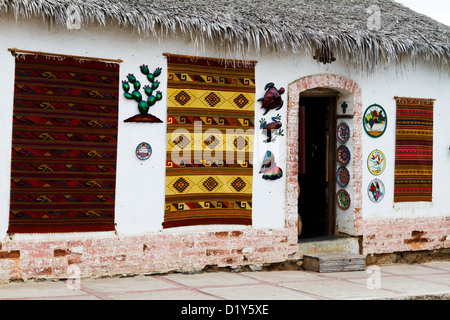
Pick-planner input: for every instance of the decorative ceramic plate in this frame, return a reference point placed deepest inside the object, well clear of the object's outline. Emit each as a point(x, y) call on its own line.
point(343, 132)
point(376, 162)
point(343, 199)
point(376, 190)
point(375, 121)
point(343, 155)
point(143, 151)
point(342, 177)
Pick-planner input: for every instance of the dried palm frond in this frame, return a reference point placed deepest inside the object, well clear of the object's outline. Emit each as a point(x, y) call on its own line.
point(239, 28)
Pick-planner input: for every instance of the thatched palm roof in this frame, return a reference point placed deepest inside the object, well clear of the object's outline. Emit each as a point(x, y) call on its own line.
point(240, 27)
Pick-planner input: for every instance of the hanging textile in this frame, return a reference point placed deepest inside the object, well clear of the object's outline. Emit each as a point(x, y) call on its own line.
point(64, 145)
point(210, 127)
point(414, 150)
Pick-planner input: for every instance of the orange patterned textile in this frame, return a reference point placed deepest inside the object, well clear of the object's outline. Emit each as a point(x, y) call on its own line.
point(414, 150)
point(210, 128)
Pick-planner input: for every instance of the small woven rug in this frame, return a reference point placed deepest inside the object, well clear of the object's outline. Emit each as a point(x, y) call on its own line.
point(414, 150)
point(210, 128)
point(64, 142)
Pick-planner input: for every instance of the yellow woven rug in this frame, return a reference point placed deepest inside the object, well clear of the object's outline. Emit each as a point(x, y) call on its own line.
point(210, 127)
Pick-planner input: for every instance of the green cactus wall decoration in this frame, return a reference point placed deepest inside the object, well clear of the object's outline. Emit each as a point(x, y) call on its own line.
point(149, 90)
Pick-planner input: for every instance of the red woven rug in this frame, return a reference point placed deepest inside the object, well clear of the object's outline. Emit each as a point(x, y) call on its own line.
point(64, 142)
point(414, 150)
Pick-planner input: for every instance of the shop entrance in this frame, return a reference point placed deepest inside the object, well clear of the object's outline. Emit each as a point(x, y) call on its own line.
point(317, 167)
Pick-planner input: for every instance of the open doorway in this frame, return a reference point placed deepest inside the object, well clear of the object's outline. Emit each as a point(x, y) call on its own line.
point(317, 167)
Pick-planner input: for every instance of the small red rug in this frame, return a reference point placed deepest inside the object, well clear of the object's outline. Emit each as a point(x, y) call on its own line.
point(414, 150)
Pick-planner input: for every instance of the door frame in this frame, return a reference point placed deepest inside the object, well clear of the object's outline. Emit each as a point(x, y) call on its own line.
point(348, 88)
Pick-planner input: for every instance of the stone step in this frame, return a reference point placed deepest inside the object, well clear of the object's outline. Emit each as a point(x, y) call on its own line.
point(334, 262)
point(328, 244)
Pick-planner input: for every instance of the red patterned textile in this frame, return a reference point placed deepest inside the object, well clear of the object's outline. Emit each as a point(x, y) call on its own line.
point(64, 145)
point(414, 150)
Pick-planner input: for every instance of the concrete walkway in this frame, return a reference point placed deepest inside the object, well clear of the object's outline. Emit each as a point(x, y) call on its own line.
point(418, 281)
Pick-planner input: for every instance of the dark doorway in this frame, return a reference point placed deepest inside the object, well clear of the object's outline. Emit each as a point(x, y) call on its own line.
point(317, 168)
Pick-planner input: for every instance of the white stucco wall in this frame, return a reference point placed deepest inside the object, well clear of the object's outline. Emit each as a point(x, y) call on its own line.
point(141, 184)
point(423, 82)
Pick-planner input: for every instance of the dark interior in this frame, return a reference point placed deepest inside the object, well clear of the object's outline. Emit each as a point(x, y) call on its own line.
point(313, 203)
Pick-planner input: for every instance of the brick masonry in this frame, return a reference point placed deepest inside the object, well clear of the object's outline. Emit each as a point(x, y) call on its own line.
point(163, 252)
point(402, 234)
point(153, 253)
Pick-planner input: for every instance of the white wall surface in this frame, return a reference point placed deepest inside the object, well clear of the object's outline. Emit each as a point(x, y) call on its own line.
point(424, 82)
point(141, 184)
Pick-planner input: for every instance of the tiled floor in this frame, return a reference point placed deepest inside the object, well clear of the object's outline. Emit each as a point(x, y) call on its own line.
point(385, 282)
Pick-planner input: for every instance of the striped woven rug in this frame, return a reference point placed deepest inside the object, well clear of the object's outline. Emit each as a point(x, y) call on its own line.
point(414, 150)
point(210, 127)
point(64, 144)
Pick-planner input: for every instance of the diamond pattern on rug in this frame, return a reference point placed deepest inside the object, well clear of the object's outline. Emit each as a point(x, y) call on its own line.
point(238, 184)
point(241, 101)
point(212, 99)
point(182, 97)
point(181, 185)
point(210, 184)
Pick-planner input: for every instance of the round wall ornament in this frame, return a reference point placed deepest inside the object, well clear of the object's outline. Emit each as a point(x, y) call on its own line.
point(343, 199)
point(343, 155)
point(376, 162)
point(375, 190)
point(342, 176)
point(375, 121)
point(143, 151)
point(343, 132)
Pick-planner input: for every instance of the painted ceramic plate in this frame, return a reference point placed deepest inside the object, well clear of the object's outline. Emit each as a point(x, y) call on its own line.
point(375, 121)
point(143, 151)
point(343, 199)
point(343, 132)
point(376, 162)
point(342, 177)
point(376, 190)
point(343, 155)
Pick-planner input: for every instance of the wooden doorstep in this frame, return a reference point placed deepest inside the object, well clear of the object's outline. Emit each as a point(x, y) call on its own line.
point(334, 262)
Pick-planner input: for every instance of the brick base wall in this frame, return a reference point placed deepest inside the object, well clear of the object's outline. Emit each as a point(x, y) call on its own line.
point(401, 235)
point(156, 253)
point(159, 253)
